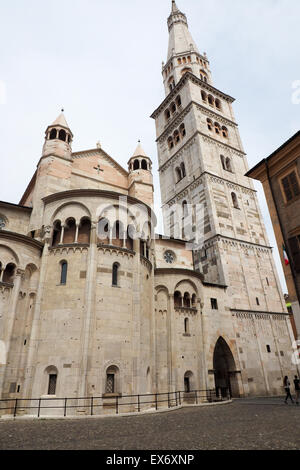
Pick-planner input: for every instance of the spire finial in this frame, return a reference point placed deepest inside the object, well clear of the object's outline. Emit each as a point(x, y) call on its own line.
point(174, 6)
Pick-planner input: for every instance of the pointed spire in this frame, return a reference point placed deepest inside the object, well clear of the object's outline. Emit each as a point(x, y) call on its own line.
point(139, 151)
point(180, 39)
point(61, 121)
point(174, 7)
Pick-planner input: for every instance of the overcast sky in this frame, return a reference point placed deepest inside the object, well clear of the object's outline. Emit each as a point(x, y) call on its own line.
point(101, 61)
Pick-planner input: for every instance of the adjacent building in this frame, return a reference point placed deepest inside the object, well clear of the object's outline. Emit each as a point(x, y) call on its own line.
point(280, 176)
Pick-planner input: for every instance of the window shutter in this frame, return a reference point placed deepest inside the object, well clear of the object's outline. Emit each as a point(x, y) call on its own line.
point(287, 190)
point(294, 183)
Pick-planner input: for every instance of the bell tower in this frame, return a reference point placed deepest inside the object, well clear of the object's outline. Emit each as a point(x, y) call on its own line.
point(206, 197)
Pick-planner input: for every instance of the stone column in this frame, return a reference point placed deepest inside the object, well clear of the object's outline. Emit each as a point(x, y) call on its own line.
point(76, 233)
point(62, 234)
point(13, 309)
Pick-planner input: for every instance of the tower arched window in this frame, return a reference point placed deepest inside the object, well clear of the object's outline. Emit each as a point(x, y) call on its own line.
point(218, 104)
point(136, 165)
point(63, 272)
point(115, 274)
point(170, 142)
point(144, 165)
point(211, 100)
point(217, 128)
point(178, 174)
point(225, 132)
point(173, 108)
point(223, 162)
point(235, 201)
point(209, 124)
point(182, 130)
point(53, 134)
point(167, 114)
point(203, 96)
point(176, 137)
point(178, 100)
point(182, 166)
point(228, 164)
point(62, 135)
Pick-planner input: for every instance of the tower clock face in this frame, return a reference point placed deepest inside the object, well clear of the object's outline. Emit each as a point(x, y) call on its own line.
point(169, 257)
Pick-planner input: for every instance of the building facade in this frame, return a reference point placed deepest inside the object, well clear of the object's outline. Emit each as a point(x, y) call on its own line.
point(280, 176)
point(94, 304)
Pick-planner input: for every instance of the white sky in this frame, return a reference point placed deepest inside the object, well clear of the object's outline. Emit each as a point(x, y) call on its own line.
point(101, 61)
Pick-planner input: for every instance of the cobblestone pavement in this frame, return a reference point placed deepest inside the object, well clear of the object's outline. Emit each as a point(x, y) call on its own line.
point(260, 423)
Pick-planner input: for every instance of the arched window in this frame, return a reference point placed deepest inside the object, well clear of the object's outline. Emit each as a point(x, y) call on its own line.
point(186, 326)
point(144, 165)
point(9, 273)
point(84, 231)
point(70, 231)
point(186, 70)
point(218, 104)
point(170, 142)
point(56, 233)
point(184, 60)
point(188, 381)
point(185, 211)
point(62, 135)
point(209, 124)
point(203, 95)
point(203, 75)
point(224, 131)
point(194, 299)
point(173, 108)
point(177, 299)
point(211, 100)
point(130, 236)
point(178, 174)
point(115, 273)
point(176, 137)
point(167, 114)
point(136, 165)
point(182, 166)
point(228, 164)
point(187, 300)
point(103, 230)
point(178, 100)
point(217, 128)
point(53, 134)
point(63, 272)
point(112, 374)
point(118, 234)
point(51, 373)
point(223, 162)
point(235, 201)
point(182, 130)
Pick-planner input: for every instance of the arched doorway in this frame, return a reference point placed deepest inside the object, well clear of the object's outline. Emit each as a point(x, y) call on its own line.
point(225, 370)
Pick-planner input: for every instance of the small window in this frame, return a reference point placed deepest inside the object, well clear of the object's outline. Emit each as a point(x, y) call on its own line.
point(257, 301)
point(290, 186)
point(115, 274)
point(214, 304)
point(186, 326)
point(187, 386)
point(110, 383)
point(268, 348)
point(64, 270)
point(235, 201)
point(52, 384)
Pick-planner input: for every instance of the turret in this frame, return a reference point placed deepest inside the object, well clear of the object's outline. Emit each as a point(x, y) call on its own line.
point(140, 176)
point(58, 139)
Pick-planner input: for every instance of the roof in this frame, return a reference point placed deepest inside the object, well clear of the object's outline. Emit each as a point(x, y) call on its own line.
point(264, 160)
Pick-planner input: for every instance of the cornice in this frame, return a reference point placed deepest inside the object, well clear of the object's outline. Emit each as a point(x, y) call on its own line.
point(260, 313)
point(185, 272)
point(10, 205)
point(193, 184)
point(232, 150)
point(236, 242)
point(17, 237)
point(193, 78)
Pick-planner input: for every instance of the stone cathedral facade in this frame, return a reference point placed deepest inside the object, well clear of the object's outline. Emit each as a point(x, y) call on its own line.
point(93, 303)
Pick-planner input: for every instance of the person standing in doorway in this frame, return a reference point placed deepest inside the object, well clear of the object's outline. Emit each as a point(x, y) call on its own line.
point(286, 384)
point(297, 388)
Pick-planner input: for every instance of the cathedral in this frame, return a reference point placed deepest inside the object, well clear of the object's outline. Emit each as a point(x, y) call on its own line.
point(93, 302)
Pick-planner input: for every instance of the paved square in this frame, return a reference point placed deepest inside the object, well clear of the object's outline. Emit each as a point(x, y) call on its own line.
point(265, 423)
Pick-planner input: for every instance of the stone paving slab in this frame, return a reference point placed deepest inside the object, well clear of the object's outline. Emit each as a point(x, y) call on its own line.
point(249, 424)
